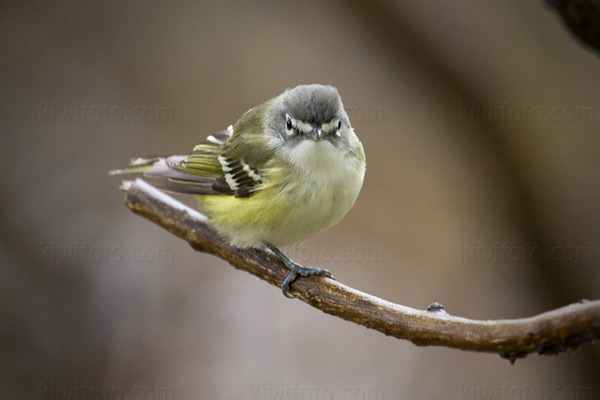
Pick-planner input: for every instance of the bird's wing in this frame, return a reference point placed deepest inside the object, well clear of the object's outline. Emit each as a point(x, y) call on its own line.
point(222, 164)
point(229, 161)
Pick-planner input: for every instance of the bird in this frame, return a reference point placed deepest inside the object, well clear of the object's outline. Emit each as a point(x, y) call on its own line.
point(287, 169)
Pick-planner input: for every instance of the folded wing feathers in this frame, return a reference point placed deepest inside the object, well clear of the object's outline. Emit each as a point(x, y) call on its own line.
point(238, 177)
point(207, 170)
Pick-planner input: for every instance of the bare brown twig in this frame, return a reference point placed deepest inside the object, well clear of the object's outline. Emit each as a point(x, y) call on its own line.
point(549, 333)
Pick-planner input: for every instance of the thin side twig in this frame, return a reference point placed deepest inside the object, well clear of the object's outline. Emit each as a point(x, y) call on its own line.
point(549, 333)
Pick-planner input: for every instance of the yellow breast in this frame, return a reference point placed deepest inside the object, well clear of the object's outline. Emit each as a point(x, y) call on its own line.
point(293, 203)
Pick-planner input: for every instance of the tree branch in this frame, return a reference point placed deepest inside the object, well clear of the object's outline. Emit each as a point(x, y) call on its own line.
point(549, 333)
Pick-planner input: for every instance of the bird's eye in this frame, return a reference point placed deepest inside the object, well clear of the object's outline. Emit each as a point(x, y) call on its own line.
point(289, 125)
point(339, 125)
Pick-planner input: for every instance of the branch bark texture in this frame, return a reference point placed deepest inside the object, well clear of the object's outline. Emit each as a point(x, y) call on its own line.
point(549, 333)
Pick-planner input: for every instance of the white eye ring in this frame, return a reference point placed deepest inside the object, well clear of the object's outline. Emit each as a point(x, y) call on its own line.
point(290, 126)
point(337, 128)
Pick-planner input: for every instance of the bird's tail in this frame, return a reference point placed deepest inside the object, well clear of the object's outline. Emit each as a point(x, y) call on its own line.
point(163, 173)
point(136, 166)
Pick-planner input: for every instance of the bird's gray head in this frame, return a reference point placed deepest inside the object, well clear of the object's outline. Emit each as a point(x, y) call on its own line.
point(311, 112)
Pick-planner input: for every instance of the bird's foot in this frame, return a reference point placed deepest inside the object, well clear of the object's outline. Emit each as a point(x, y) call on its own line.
point(299, 270)
point(295, 271)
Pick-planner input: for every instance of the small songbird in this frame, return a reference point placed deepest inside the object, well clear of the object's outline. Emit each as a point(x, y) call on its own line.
point(287, 169)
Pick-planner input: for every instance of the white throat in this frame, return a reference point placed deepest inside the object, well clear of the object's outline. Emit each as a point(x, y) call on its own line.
point(321, 156)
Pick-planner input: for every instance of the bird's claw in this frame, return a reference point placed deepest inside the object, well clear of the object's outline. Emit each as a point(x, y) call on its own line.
point(302, 271)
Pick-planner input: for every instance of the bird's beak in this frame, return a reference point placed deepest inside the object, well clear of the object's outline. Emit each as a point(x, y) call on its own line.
point(316, 134)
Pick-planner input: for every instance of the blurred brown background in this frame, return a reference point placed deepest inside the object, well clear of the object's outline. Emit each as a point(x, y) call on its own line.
point(480, 124)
